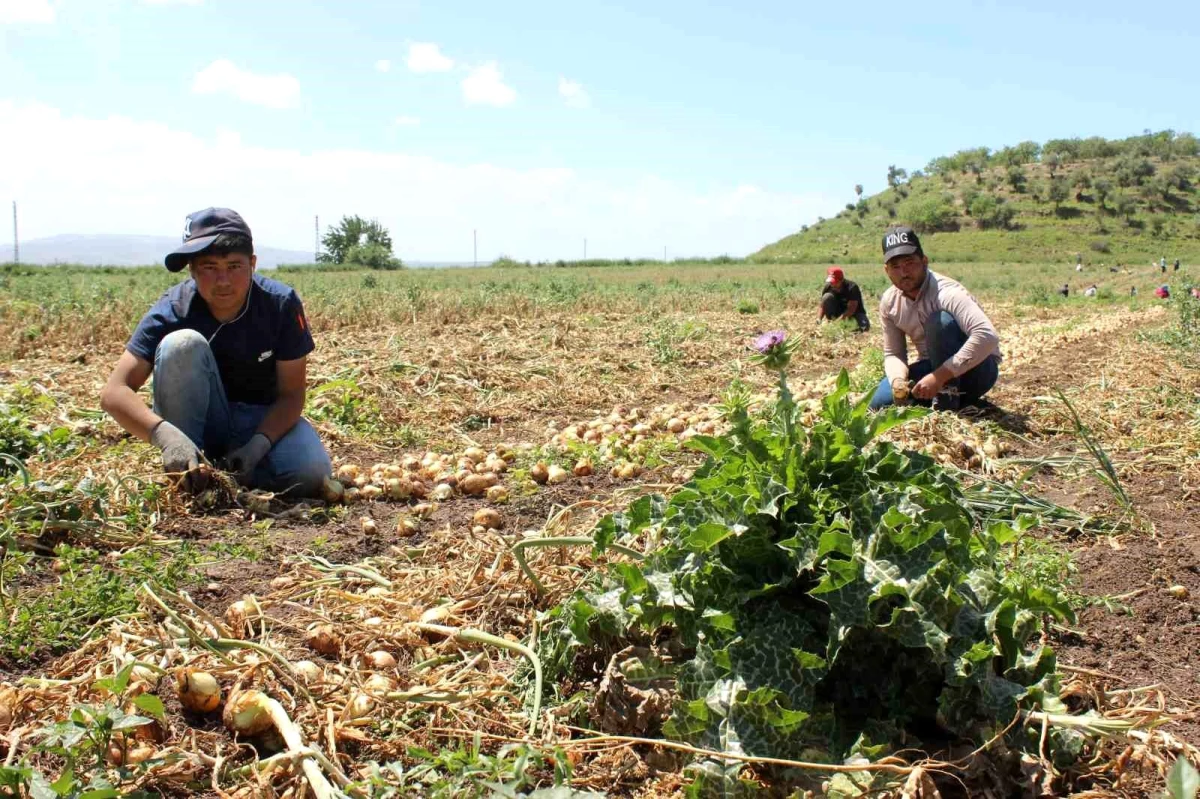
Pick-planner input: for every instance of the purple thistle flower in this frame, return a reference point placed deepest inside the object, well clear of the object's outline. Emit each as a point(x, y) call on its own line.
point(769, 341)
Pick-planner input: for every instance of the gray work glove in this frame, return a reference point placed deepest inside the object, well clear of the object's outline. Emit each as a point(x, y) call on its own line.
point(179, 453)
point(243, 460)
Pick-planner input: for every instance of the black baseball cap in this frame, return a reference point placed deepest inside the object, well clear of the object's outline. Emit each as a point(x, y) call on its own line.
point(900, 241)
point(201, 229)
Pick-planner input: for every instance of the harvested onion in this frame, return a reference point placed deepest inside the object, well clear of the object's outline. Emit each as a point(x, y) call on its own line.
point(539, 473)
point(379, 659)
point(198, 691)
point(332, 490)
point(489, 517)
point(556, 474)
point(324, 639)
point(307, 671)
point(247, 713)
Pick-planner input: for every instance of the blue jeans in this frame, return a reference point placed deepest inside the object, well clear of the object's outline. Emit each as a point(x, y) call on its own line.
point(189, 394)
point(944, 337)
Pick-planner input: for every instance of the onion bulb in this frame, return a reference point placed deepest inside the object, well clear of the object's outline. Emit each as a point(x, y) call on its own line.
point(8, 702)
point(198, 691)
point(308, 672)
point(370, 492)
point(347, 472)
point(352, 495)
point(379, 684)
point(556, 474)
point(676, 425)
point(475, 454)
point(247, 713)
point(477, 484)
point(360, 705)
point(583, 467)
point(498, 494)
point(368, 525)
point(324, 639)
point(489, 517)
point(380, 659)
point(131, 756)
point(242, 617)
point(443, 492)
point(539, 473)
point(406, 526)
point(332, 490)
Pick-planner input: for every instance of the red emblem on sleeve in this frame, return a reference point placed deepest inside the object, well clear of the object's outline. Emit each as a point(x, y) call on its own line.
point(300, 320)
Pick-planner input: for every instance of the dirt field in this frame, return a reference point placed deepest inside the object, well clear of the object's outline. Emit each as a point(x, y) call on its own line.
point(537, 381)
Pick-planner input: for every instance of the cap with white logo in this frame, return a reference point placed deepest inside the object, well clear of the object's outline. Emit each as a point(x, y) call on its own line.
point(900, 241)
point(201, 229)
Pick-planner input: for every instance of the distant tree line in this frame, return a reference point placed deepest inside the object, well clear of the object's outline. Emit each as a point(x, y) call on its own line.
point(1165, 145)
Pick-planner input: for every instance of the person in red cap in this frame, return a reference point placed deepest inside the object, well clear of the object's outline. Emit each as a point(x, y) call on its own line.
point(842, 299)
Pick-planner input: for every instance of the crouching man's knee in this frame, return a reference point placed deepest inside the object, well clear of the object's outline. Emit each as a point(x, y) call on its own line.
point(298, 464)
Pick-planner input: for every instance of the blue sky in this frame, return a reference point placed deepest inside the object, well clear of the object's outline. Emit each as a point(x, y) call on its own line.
point(703, 127)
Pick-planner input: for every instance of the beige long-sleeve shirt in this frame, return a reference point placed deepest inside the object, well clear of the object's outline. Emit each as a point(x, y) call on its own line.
point(903, 318)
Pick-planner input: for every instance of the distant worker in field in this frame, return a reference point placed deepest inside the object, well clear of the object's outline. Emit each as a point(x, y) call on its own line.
point(1163, 292)
point(958, 348)
point(1176, 264)
point(1162, 264)
point(1090, 291)
point(228, 352)
point(842, 299)
point(1065, 290)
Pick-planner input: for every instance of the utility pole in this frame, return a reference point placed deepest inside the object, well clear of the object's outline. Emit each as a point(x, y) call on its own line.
point(664, 253)
point(475, 246)
point(16, 242)
point(585, 249)
point(316, 238)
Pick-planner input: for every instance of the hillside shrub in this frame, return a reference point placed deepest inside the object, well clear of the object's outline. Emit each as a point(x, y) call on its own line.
point(930, 213)
point(1099, 245)
point(990, 211)
point(822, 595)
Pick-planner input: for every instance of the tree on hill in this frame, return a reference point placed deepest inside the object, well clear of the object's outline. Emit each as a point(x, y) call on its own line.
point(895, 176)
point(1058, 192)
point(1083, 181)
point(1126, 207)
point(355, 240)
point(1016, 178)
point(1103, 187)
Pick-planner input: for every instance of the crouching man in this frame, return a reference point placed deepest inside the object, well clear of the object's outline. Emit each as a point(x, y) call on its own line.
point(228, 352)
point(842, 299)
point(958, 348)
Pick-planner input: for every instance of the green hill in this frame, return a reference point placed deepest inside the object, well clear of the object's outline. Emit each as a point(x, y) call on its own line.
point(1113, 201)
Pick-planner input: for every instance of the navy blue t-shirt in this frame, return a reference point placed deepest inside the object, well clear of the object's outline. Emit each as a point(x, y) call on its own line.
point(273, 328)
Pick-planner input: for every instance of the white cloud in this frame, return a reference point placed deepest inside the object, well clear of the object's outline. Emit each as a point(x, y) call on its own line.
point(13, 12)
point(484, 85)
point(271, 91)
point(383, 65)
point(573, 93)
point(427, 57)
point(120, 175)
point(405, 121)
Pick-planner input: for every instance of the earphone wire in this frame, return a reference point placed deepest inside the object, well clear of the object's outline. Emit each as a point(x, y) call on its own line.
point(245, 308)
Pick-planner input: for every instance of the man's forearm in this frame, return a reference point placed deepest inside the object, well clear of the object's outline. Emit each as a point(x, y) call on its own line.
point(123, 404)
point(282, 416)
point(894, 368)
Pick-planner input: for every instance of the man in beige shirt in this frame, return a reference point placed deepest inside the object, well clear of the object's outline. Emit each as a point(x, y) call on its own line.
point(958, 349)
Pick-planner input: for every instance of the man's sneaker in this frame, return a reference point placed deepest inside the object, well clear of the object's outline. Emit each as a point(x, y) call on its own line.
point(948, 399)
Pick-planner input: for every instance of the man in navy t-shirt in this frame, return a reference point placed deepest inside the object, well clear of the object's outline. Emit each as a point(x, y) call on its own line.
point(228, 351)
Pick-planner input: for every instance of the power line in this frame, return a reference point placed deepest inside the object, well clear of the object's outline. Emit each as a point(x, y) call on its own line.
point(16, 241)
